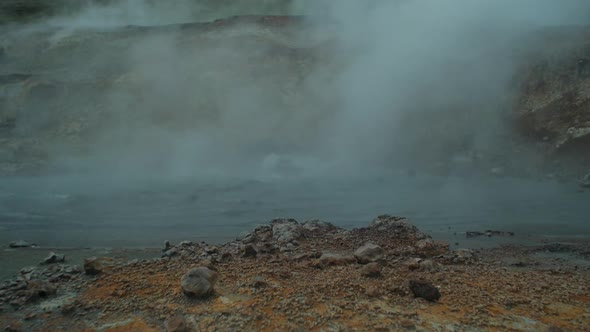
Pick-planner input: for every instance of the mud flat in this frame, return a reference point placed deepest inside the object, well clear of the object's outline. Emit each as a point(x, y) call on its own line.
point(288, 275)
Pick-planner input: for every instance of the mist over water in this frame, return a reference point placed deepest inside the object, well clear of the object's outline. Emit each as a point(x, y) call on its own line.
point(166, 132)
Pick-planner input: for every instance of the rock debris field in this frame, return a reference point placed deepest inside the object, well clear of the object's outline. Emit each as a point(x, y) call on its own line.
point(312, 276)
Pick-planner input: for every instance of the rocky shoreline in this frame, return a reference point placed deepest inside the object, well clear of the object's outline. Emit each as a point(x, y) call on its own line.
point(288, 275)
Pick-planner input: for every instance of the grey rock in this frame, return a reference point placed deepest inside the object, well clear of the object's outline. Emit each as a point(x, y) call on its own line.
point(317, 225)
point(71, 269)
point(171, 253)
point(242, 235)
point(371, 270)
point(397, 226)
point(287, 247)
point(211, 250)
point(428, 265)
point(53, 258)
point(199, 282)
point(185, 243)
point(286, 230)
point(250, 238)
point(368, 253)
point(424, 244)
point(462, 256)
point(425, 290)
point(19, 244)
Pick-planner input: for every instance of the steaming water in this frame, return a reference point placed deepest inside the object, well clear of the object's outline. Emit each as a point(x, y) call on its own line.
point(87, 212)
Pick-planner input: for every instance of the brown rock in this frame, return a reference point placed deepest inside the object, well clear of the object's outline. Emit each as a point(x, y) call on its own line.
point(371, 270)
point(175, 324)
point(407, 324)
point(373, 292)
point(96, 265)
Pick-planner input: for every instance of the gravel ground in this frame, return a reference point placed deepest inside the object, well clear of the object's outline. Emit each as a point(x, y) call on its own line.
point(287, 282)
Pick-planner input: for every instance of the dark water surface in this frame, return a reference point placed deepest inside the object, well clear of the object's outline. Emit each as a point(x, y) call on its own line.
point(125, 212)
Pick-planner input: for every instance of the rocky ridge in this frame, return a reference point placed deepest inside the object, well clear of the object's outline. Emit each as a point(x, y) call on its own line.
point(287, 275)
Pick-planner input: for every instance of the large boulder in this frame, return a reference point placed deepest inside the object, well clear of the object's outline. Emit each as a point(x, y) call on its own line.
point(286, 230)
point(368, 253)
point(199, 282)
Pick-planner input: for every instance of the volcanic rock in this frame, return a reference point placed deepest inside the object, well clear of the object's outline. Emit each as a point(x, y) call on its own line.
point(425, 290)
point(198, 282)
point(286, 230)
point(368, 253)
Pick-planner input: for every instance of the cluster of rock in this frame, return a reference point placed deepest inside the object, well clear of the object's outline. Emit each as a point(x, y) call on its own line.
point(34, 283)
point(291, 238)
point(388, 241)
